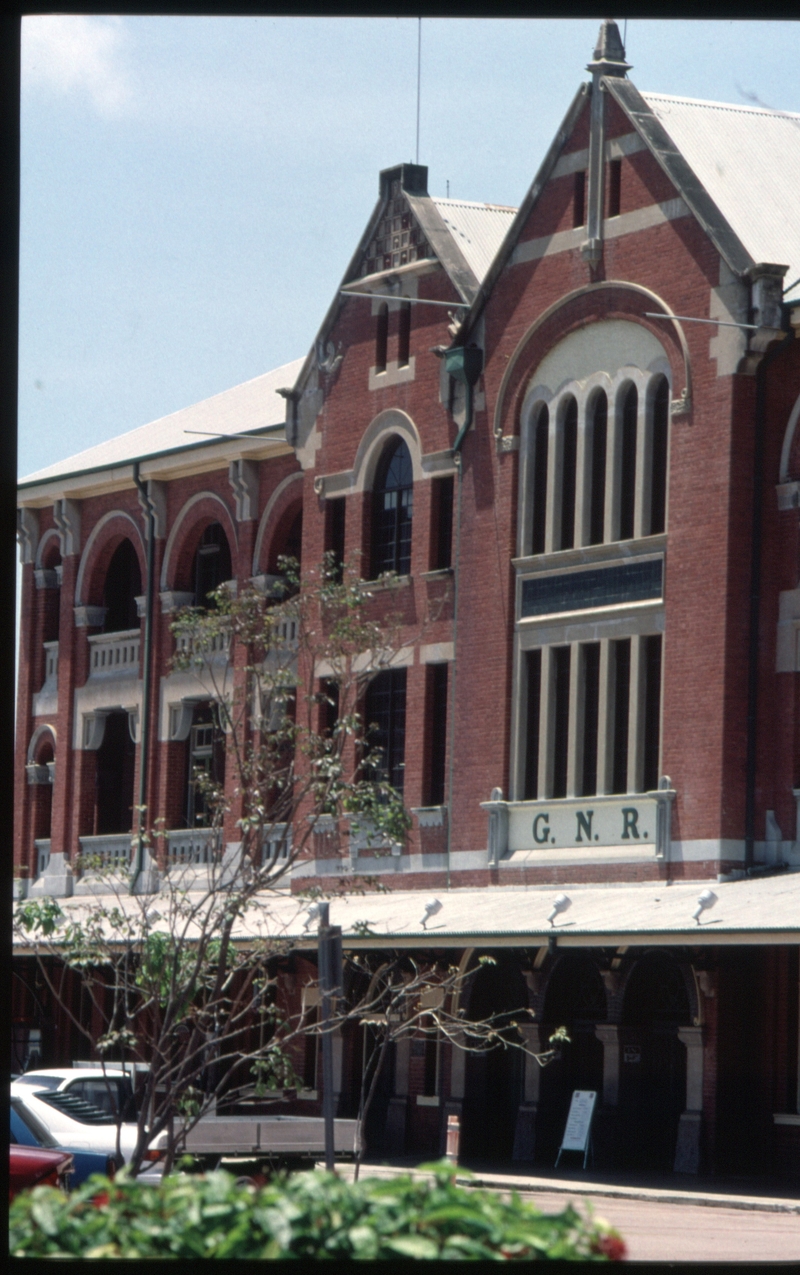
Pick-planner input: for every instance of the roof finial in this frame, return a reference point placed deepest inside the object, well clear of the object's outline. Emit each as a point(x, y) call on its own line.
point(609, 53)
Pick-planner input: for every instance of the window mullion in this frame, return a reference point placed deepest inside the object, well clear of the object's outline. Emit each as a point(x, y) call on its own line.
point(644, 467)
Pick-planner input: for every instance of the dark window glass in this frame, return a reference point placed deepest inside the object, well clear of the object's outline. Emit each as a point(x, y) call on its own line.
point(441, 523)
point(393, 504)
point(115, 767)
point(335, 514)
point(437, 732)
point(561, 663)
point(123, 585)
point(599, 436)
point(381, 335)
point(404, 334)
point(591, 713)
point(652, 711)
point(658, 491)
point(621, 654)
point(212, 563)
point(206, 762)
point(540, 442)
point(431, 1068)
point(579, 199)
point(627, 486)
point(614, 187)
point(534, 660)
point(385, 724)
point(568, 474)
point(329, 709)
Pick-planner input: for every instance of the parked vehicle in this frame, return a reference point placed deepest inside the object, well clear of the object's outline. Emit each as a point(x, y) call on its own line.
point(72, 1121)
point(37, 1166)
point(28, 1131)
point(110, 1090)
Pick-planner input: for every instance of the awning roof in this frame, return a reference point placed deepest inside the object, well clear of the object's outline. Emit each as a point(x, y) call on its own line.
point(752, 911)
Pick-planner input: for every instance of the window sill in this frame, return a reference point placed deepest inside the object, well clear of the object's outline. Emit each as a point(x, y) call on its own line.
point(441, 573)
point(385, 585)
point(424, 1100)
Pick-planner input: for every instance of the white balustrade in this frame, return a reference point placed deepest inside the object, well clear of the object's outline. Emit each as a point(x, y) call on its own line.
point(115, 653)
point(112, 850)
point(193, 846)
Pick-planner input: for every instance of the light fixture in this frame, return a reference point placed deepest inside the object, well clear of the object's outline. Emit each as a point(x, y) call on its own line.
point(705, 901)
point(431, 909)
point(560, 904)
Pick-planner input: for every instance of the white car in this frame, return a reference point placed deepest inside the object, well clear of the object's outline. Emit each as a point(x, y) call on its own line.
point(78, 1110)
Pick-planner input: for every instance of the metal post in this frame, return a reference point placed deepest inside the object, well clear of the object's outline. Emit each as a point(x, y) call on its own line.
point(330, 982)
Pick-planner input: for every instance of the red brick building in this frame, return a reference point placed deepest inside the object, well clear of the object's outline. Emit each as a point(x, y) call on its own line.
point(571, 430)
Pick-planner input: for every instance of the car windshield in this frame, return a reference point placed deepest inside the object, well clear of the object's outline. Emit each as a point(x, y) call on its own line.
point(39, 1082)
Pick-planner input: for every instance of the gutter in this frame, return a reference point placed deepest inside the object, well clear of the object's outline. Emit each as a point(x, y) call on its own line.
point(755, 599)
point(144, 738)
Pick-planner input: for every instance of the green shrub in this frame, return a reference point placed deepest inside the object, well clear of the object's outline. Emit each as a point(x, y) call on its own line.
point(306, 1215)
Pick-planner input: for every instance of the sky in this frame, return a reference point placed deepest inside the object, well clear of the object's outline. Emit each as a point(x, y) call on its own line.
point(192, 189)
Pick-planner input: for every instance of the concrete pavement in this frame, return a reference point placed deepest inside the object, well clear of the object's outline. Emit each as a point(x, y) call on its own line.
point(660, 1221)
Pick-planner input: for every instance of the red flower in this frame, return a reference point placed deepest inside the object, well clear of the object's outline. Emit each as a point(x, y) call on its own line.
point(101, 1199)
point(610, 1245)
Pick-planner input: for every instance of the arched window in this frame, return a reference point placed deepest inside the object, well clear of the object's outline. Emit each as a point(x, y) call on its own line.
point(115, 775)
point(569, 461)
point(385, 724)
point(540, 442)
point(404, 334)
point(627, 481)
point(599, 436)
point(393, 503)
point(122, 587)
point(212, 563)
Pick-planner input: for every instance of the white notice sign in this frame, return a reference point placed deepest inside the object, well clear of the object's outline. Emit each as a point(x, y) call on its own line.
point(579, 1120)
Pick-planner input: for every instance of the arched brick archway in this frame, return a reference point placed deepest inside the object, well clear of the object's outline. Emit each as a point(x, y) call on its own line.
point(103, 542)
point(280, 516)
point(494, 1080)
point(203, 509)
point(574, 998)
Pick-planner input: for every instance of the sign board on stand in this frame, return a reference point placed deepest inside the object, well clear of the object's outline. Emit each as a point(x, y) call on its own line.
point(578, 1131)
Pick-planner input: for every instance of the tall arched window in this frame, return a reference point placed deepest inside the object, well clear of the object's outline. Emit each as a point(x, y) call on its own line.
point(212, 563)
point(627, 481)
point(599, 436)
point(569, 460)
point(540, 443)
point(393, 503)
point(123, 585)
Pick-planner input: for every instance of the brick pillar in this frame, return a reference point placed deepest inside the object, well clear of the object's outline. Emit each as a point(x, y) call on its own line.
point(687, 1150)
point(525, 1131)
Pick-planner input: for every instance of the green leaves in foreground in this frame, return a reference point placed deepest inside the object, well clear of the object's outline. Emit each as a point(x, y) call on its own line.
point(306, 1215)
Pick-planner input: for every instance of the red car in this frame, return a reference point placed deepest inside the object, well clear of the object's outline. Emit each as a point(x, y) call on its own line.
point(37, 1166)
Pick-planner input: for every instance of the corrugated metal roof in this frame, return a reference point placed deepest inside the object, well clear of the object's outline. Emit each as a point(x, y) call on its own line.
point(253, 405)
point(753, 910)
point(478, 229)
point(748, 159)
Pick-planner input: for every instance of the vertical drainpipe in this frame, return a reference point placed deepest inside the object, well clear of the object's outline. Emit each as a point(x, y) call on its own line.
point(144, 734)
point(755, 600)
point(464, 364)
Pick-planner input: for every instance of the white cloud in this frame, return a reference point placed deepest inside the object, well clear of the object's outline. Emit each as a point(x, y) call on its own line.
point(77, 54)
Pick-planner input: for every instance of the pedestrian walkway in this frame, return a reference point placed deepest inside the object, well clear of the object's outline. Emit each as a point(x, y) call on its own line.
point(661, 1189)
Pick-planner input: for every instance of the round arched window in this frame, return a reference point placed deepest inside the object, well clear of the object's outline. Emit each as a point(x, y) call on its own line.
point(393, 503)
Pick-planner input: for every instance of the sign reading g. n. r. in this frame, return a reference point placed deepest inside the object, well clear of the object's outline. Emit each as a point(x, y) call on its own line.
point(575, 823)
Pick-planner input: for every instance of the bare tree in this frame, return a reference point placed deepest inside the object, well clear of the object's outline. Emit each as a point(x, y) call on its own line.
point(183, 978)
